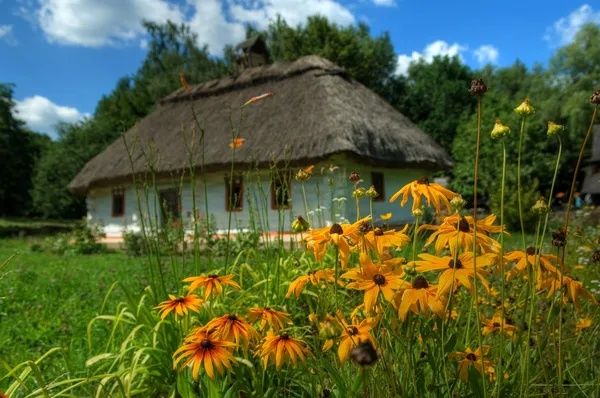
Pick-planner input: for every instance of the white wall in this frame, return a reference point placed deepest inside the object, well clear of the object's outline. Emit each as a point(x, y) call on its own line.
point(257, 200)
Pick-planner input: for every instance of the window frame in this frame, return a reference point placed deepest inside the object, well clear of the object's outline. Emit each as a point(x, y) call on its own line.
point(287, 175)
point(118, 192)
point(229, 184)
point(381, 196)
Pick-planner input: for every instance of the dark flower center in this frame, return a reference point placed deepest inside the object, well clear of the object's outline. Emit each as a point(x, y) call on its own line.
point(364, 227)
point(378, 231)
point(471, 357)
point(213, 276)
point(336, 229)
point(232, 317)
point(463, 225)
point(420, 283)
point(496, 324)
point(455, 264)
point(267, 308)
point(379, 279)
point(284, 336)
point(531, 251)
point(179, 300)
point(353, 331)
point(364, 354)
point(423, 180)
point(206, 344)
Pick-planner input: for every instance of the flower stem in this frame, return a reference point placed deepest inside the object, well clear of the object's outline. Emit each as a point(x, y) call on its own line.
point(502, 281)
point(519, 188)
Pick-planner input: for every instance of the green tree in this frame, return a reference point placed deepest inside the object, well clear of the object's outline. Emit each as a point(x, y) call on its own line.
point(19, 151)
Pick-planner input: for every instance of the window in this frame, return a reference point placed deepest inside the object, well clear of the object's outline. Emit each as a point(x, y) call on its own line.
point(378, 184)
point(234, 193)
point(118, 202)
point(170, 205)
point(281, 196)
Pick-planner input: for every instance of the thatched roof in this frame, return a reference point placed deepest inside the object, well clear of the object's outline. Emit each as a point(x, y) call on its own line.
point(316, 111)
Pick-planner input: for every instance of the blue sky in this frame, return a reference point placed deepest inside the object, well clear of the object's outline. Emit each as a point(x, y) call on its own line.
point(63, 55)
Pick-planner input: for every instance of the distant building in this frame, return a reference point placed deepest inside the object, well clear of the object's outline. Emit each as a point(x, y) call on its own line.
point(591, 183)
point(317, 115)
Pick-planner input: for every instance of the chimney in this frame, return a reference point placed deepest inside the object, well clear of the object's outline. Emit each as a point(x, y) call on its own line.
point(251, 53)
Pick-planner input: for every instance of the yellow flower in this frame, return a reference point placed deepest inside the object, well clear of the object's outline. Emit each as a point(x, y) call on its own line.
point(314, 277)
point(204, 348)
point(525, 259)
point(232, 328)
point(574, 289)
point(381, 240)
point(212, 284)
point(237, 143)
point(583, 323)
point(354, 334)
point(385, 216)
point(525, 108)
point(180, 305)
point(447, 235)
point(371, 192)
point(554, 128)
point(419, 298)
point(498, 324)
point(305, 173)
point(280, 348)
point(300, 224)
point(469, 358)
point(499, 130)
point(359, 193)
point(344, 236)
point(374, 279)
point(456, 273)
point(267, 316)
point(436, 195)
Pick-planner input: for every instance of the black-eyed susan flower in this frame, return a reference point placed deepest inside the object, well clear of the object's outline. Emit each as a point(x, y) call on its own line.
point(344, 236)
point(353, 334)
point(314, 277)
point(374, 279)
point(232, 328)
point(523, 260)
point(267, 316)
point(280, 348)
point(473, 359)
point(456, 233)
point(381, 240)
point(456, 272)
point(419, 298)
point(525, 108)
point(574, 290)
point(212, 284)
point(436, 195)
point(179, 305)
point(498, 324)
point(205, 349)
point(304, 174)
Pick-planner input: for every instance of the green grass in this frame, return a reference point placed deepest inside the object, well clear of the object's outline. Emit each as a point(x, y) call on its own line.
point(47, 300)
point(25, 226)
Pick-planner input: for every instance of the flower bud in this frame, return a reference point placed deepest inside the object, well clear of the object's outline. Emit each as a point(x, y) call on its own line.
point(354, 177)
point(499, 130)
point(304, 174)
point(478, 87)
point(525, 108)
point(595, 98)
point(458, 203)
point(554, 128)
point(359, 193)
point(371, 192)
point(300, 224)
point(417, 212)
point(540, 207)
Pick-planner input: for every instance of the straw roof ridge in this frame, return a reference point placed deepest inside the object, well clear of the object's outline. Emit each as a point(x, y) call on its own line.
point(316, 111)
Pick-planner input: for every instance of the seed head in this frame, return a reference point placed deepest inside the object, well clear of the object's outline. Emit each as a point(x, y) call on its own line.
point(596, 256)
point(595, 98)
point(559, 238)
point(364, 354)
point(354, 177)
point(478, 87)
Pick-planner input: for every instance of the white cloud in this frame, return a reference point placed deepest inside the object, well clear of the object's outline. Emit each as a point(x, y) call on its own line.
point(42, 115)
point(486, 54)
point(93, 23)
point(385, 3)
point(438, 47)
point(6, 34)
point(564, 30)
